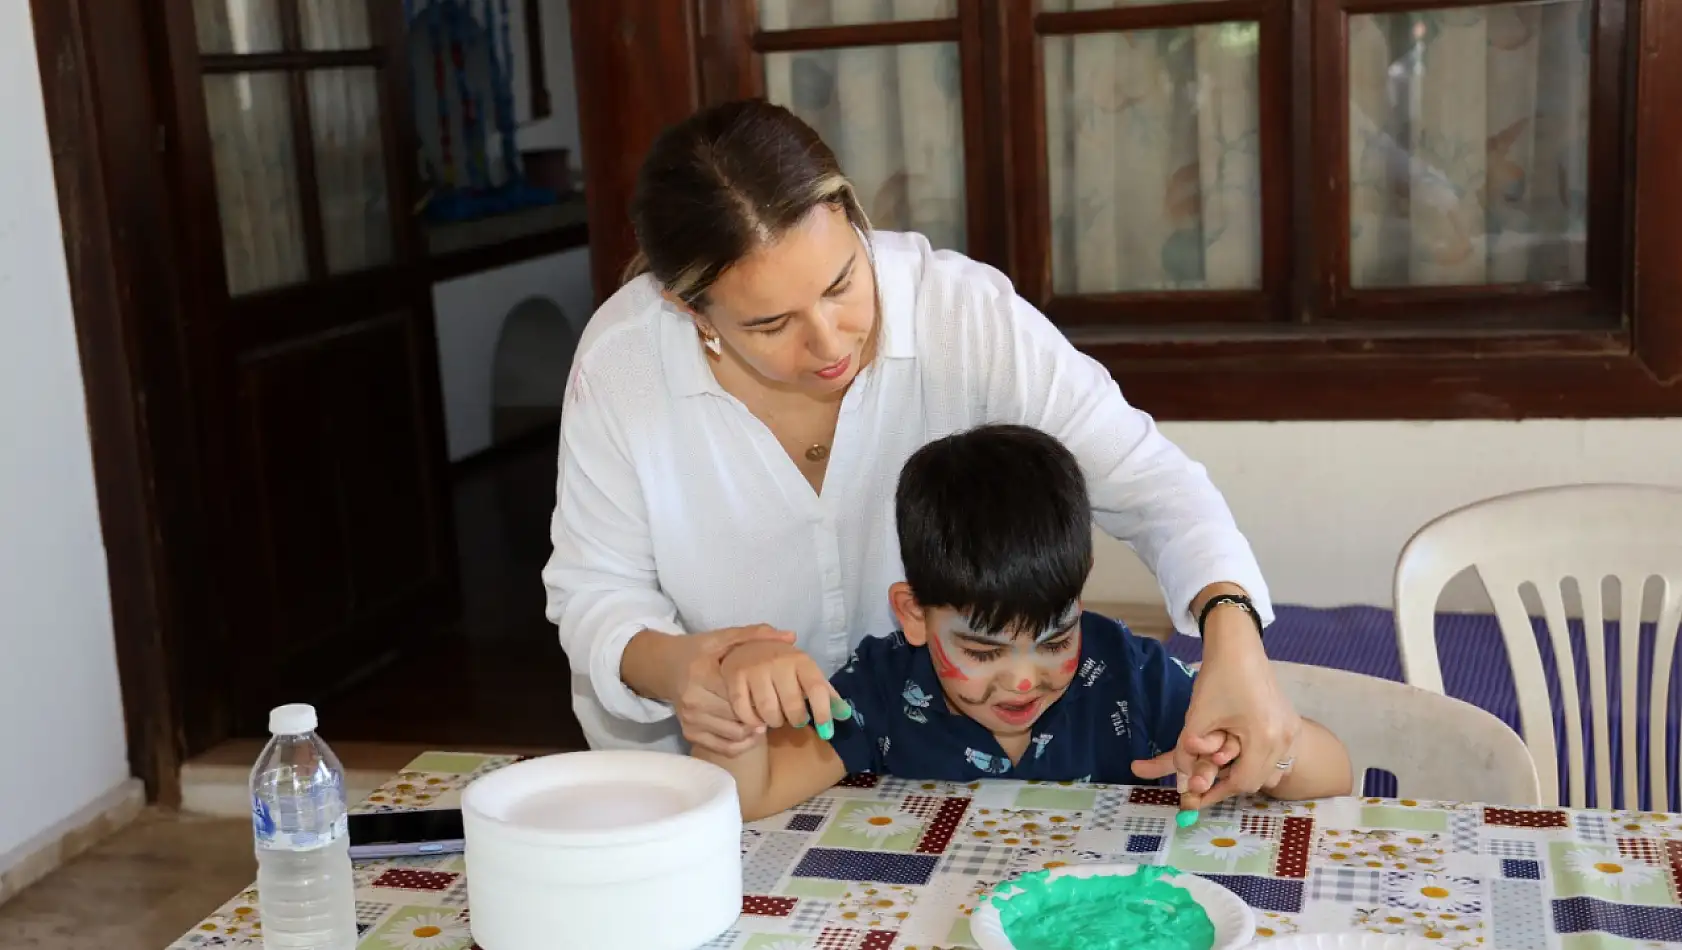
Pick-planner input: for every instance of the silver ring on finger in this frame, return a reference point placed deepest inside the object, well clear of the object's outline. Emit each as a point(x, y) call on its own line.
point(1286, 764)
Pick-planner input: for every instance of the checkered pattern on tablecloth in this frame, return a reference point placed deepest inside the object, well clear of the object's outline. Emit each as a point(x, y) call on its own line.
point(1464, 831)
point(724, 941)
point(809, 915)
point(1360, 886)
point(1536, 879)
point(1510, 848)
point(1592, 828)
point(982, 861)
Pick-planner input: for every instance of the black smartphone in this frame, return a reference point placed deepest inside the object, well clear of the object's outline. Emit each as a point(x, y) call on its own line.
point(406, 833)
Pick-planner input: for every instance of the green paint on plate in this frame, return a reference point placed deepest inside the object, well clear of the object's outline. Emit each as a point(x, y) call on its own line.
point(1186, 819)
point(1138, 911)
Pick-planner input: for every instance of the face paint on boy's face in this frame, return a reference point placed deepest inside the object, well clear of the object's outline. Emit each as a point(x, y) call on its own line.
point(1003, 680)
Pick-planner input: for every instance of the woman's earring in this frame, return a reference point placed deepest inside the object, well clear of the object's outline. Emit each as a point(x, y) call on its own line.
point(710, 341)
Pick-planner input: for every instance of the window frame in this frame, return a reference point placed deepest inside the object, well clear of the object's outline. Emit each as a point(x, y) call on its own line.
point(1306, 345)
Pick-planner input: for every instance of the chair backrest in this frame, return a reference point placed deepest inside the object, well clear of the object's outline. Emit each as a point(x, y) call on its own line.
point(1437, 747)
point(1581, 533)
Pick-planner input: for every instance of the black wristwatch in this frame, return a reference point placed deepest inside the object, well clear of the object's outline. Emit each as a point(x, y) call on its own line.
point(1237, 600)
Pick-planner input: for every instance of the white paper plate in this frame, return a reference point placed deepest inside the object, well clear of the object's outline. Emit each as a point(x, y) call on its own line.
point(1235, 924)
point(1345, 941)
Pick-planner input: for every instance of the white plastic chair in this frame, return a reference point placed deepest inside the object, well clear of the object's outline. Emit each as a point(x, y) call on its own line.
point(1585, 533)
point(1438, 747)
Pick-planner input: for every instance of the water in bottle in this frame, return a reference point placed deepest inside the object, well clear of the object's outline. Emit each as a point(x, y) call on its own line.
point(304, 889)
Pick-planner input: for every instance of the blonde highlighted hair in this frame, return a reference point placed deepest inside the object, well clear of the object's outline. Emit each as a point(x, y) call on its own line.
point(723, 183)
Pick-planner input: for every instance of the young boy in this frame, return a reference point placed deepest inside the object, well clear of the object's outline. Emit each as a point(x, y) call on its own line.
point(996, 671)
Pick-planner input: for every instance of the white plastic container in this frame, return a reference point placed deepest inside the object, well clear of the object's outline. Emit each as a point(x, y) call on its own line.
point(591, 850)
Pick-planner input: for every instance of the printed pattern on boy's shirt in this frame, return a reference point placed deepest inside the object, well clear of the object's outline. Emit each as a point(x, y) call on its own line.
point(1126, 701)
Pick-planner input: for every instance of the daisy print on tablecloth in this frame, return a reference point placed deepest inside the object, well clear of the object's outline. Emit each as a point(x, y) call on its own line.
point(979, 892)
point(423, 928)
point(875, 906)
point(771, 942)
point(1228, 842)
point(1384, 850)
point(1647, 824)
point(1428, 892)
point(1449, 929)
point(1263, 806)
point(1048, 859)
point(1020, 828)
point(1609, 873)
point(411, 790)
point(238, 919)
point(1270, 925)
point(1417, 803)
point(880, 822)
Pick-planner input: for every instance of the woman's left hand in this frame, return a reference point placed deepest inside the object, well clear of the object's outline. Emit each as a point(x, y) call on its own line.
point(1236, 696)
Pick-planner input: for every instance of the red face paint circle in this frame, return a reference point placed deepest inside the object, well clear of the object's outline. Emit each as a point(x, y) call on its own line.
point(1024, 686)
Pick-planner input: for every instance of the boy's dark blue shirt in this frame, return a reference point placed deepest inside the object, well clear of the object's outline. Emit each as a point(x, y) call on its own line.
point(1126, 702)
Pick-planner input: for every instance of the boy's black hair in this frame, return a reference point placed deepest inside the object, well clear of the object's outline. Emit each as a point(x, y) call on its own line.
point(995, 522)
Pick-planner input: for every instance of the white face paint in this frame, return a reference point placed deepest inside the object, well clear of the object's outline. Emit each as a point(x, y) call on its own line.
point(1004, 681)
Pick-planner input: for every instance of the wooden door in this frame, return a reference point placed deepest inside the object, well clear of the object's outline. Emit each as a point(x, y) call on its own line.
point(313, 319)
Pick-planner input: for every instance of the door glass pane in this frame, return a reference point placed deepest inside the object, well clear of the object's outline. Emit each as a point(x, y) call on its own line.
point(794, 14)
point(335, 24)
point(238, 26)
point(893, 115)
point(1065, 6)
point(1468, 145)
point(256, 180)
point(1154, 159)
point(350, 167)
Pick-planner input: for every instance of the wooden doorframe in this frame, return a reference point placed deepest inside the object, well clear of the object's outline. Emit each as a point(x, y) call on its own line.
point(100, 72)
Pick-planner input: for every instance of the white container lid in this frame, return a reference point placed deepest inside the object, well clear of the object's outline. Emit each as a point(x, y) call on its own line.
point(600, 799)
point(294, 719)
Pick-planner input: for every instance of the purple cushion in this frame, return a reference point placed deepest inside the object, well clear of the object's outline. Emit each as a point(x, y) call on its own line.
point(1475, 669)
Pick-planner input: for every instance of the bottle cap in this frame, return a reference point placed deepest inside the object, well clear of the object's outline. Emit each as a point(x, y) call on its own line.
point(293, 720)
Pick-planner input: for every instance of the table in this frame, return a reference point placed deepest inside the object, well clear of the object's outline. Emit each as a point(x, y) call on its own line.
point(881, 863)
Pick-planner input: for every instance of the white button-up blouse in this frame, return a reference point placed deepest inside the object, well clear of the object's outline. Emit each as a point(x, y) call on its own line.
point(677, 510)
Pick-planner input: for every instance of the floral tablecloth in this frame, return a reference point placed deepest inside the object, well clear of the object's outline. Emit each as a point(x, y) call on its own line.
point(881, 863)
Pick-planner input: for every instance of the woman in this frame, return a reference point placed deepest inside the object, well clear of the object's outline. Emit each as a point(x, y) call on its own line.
point(738, 414)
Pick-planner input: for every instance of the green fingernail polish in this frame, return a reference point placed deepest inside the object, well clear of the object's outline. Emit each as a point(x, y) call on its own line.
point(839, 708)
point(826, 731)
point(1186, 819)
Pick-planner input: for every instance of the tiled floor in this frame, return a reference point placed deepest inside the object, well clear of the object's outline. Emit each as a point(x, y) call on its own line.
point(138, 891)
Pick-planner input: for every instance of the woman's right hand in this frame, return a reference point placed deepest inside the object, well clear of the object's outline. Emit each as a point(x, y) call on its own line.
point(779, 684)
point(698, 693)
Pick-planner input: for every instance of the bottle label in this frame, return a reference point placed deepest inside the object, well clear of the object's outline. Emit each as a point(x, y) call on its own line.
point(323, 800)
point(276, 840)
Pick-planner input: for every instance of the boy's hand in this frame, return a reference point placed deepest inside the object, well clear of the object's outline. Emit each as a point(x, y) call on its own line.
point(700, 697)
point(776, 683)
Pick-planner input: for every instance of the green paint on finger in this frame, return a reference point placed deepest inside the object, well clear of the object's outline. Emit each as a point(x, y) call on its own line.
point(826, 731)
point(1186, 819)
point(839, 708)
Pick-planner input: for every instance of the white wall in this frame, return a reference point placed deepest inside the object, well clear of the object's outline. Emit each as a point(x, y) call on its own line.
point(560, 129)
point(1328, 505)
point(470, 312)
point(61, 722)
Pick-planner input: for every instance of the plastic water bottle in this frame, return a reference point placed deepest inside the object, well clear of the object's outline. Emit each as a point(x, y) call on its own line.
point(304, 889)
